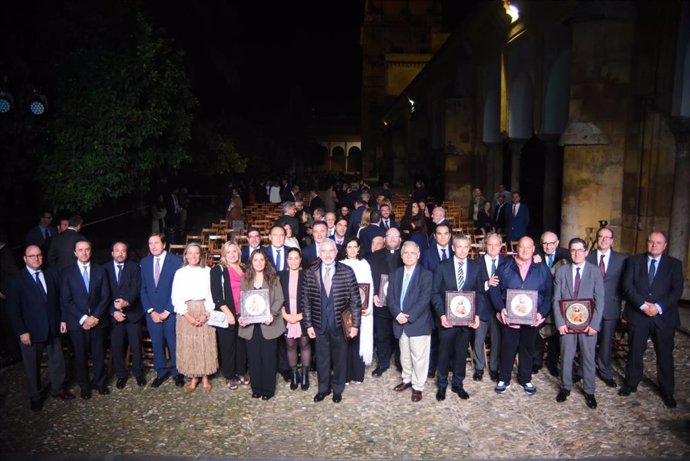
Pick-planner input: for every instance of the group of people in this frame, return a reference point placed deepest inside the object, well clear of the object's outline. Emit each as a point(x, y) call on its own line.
point(362, 289)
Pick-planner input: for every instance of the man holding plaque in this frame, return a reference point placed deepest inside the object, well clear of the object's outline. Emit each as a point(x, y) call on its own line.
point(329, 288)
point(520, 274)
point(578, 301)
point(458, 273)
point(408, 299)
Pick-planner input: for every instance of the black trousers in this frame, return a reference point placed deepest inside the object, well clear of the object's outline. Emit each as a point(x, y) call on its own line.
point(355, 364)
point(452, 353)
point(384, 340)
point(31, 357)
point(605, 350)
point(89, 343)
point(332, 354)
point(662, 339)
point(517, 341)
point(232, 351)
point(122, 333)
point(262, 363)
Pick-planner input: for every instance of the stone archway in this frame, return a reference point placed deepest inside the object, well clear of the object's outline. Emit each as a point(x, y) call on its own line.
point(354, 160)
point(337, 159)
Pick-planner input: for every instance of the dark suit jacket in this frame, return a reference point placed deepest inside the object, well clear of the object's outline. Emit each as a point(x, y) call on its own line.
point(344, 291)
point(245, 253)
point(485, 272)
point(221, 291)
point(445, 280)
point(560, 254)
point(76, 302)
point(415, 304)
point(308, 256)
point(517, 225)
point(381, 263)
point(366, 236)
point(128, 289)
point(27, 309)
point(285, 283)
point(666, 290)
point(499, 217)
point(355, 219)
point(35, 237)
point(613, 283)
point(61, 253)
point(432, 259)
point(392, 223)
point(268, 251)
point(158, 297)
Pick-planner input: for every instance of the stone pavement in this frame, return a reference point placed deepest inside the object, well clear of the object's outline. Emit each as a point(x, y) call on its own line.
point(372, 422)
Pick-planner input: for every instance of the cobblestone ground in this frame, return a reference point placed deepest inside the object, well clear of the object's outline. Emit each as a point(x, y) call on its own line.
point(372, 422)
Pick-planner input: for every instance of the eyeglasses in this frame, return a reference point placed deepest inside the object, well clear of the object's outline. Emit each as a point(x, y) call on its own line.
point(549, 243)
point(33, 256)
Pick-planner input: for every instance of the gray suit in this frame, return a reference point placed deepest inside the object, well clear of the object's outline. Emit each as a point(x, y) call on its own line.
point(613, 290)
point(592, 287)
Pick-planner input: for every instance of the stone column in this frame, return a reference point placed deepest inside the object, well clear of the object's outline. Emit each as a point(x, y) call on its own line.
point(679, 229)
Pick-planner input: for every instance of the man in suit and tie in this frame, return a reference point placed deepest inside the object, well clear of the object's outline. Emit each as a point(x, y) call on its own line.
point(489, 264)
point(340, 232)
point(330, 220)
point(408, 298)
point(157, 274)
point(311, 252)
point(124, 279)
point(356, 216)
point(387, 220)
point(384, 262)
point(611, 264)
point(290, 216)
point(458, 273)
point(498, 219)
point(42, 234)
point(578, 280)
point(254, 243)
point(329, 288)
point(61, 252)
point(276, 251)
point(438, 216)
point(367, 234)
point(517, 219)
point(85, 298)
point(33, 309)
point(524, 274)
point(653, 285)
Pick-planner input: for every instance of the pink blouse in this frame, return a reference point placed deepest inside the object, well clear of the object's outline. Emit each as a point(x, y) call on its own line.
point(235, 278)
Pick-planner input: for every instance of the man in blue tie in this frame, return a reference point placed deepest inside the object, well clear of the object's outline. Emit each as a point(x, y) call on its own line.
point(408, 298)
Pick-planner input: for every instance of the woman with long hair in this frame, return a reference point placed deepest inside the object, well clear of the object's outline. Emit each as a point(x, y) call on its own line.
point(225, 289)
point(197, 352)
point(411, 211)
point(292, 281)
point(262, 338)
point(418, 234)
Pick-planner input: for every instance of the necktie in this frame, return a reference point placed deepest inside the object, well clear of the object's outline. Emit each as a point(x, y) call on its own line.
point(602, 267)
point(119, 273)
point(279, 261)
point(652, 271)
point(493, 266)
point(157, 271)
point(577, 282)
point(327, 281)
point(514, 210)
point(461, 277)
point(385, 224)
point(444, 256)
point(403, 292)
point(85, 276)
point(45, 233)
point(40, 285)
point(549, 261)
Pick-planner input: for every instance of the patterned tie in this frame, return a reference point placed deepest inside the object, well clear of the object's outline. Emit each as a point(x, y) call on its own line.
point(602, 267)
point(444, 256)
point(119, 273)
point(40, 285)
point(157, 272)
point(549, 261)
point(652, 271)
point(403, 292)
point(461, 277)
point(85, 276)
point(577, 282)
point(493, 266)
point(327, 281)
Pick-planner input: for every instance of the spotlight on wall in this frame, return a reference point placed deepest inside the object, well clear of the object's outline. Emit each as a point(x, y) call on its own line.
point(411, 104)
point(511, 10)
point(6, 102)
point(37, 103)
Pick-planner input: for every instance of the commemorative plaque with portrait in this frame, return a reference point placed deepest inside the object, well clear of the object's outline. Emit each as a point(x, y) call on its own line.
point(364, 294)
point(346, 322)
point(521, 306)
point(255, 306)
point(383, 290)
point(577, 314)
point(460, 307)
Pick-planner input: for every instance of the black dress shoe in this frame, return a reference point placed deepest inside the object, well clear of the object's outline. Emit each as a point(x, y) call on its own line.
point(402, 387)
point(378, 372)
point(85, 394)
point(461, 392)
point(441, 394)
point(626, 390)
point(321, 395)
point(266, 397)
point(159, 380)
point(535, 369)
point(553, 370)
point(337, 398)
point(493, 375)
point(121, 383)
point(37, 405)
point(103, 390)
point(562, 395)
point(610, 382)
point(179, 380)
point(64, 395)
point(669, 401)
point(478, 375)
point(286, 375)
point(141, 381)
point(591, 401)
point(256, 395)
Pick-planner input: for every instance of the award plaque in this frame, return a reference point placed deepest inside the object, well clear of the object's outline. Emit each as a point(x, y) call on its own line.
point(577, 314)
point(460, 308)
point(255, 306)
point(364, 294)
point(218, 319)
point(346, 322)
point(521, 306)
point(383, 289)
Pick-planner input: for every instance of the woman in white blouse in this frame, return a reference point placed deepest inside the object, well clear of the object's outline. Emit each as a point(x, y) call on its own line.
point(361, 348)
point(197, 352)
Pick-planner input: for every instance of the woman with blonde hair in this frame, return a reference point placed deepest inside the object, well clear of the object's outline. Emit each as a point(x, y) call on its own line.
point(197, 352)
point(365, 221)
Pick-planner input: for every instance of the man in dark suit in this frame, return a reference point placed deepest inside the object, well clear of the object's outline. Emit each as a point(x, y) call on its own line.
point(61, 253)
point(253, 244)
point(42, 234)
point(653, 284)
point(387, 219)
point(611, 264)
point(290, 217)
point(33, 309)
point(458, 273)
point(408, 300)
point(524, 274)
point(340, 232)
point(277, 251)
point(438, 217)
point(517, 219)
point(157, 274)
point(311, 252)
point(124, 279)
point(499, 217)
point(367, 234)
point(329, 288)
point(489, 264)
point(85, 298)
point(384, 262)
point(578, 280)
